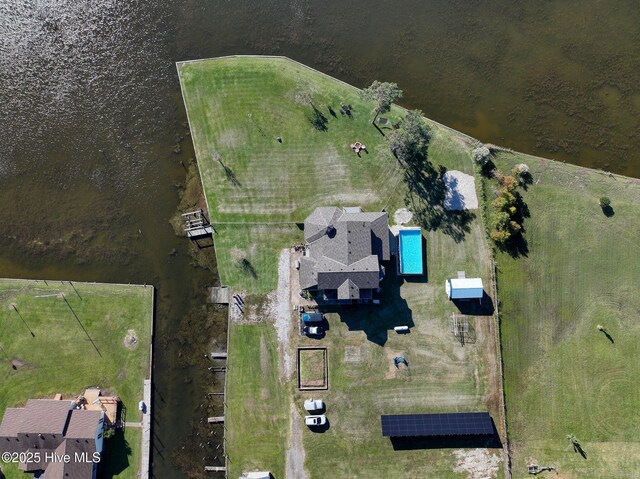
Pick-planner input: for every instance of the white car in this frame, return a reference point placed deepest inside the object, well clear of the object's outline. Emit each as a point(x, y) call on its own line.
point(320, 420)
point(313, 405)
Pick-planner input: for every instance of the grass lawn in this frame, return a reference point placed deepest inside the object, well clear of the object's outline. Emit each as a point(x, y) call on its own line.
point(237, 107)
point(562, 375)
point(122, 456)
point(59, 357)
point(257, 403)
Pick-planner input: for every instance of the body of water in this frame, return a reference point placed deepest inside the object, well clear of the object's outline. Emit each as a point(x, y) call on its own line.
point(94, 145)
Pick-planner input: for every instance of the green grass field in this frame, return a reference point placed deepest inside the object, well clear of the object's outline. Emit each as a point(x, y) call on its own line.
point(59, 357)
point(257, 404)
point(562, 375)
point(237, 107)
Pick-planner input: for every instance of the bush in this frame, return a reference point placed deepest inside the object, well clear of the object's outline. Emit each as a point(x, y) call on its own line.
point(500, 236)
point(481, 155)
point(605, 202)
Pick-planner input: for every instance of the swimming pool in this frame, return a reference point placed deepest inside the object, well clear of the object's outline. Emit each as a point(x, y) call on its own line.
point(410, 250)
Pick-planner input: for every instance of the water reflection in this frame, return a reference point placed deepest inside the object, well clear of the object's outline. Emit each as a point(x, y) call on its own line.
point(91, 114)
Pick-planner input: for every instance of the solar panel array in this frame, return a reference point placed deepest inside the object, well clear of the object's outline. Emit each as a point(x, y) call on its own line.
point(449, 424)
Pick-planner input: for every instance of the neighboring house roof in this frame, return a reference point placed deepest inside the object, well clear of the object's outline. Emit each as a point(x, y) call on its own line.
point(464, 288)
point(44, 416)
point(53, 425)
point(83, 424)
point(10, 425)
point(76, 469)
point(345, 250)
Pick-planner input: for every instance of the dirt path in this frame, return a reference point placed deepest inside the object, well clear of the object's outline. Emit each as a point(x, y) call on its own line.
point(280, 309)
point(295, 451)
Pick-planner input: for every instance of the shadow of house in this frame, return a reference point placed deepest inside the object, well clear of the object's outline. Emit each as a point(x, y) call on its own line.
point(377, 320)
point(116, 456)
point(472, 307)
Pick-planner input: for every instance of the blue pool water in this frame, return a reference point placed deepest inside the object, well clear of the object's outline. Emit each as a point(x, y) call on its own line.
point(410, 251)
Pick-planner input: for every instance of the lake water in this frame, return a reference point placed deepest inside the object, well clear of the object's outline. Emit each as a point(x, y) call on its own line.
point(91, 114)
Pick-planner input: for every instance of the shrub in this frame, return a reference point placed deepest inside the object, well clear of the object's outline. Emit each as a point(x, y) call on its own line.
point(605, 202)
point(481, 155)
point(500, 236)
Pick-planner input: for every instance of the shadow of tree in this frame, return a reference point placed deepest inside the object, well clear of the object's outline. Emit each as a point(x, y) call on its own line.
point(607, 210)
point(517, 245)
point(578, 448)
point(426, 198)
point(246, 267)
point(526, 179)
point(318, 120)
point(228, 172)
point(608, 335)
point(115, 457)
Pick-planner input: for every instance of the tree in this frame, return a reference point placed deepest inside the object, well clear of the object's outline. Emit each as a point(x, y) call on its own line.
point(383, 94)
point(605, 202)
point(410, 140)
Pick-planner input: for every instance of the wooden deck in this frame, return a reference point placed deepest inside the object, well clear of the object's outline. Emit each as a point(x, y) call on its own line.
point(218, 295)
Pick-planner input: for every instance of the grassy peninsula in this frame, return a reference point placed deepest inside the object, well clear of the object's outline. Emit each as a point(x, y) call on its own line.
point(272, 145)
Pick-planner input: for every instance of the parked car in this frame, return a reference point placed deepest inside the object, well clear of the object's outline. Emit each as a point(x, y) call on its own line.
point(313, 405)
point(312, 318)
point(317, 330)
point(319, 420)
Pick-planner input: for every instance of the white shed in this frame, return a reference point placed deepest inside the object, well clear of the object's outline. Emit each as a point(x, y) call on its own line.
point(464, 288)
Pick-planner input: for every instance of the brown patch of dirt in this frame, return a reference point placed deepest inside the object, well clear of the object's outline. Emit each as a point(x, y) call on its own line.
point(477, 463)
point(18, 364)
point(264, 357)
point(392, 372)
point(131, 339)
point(352, 354)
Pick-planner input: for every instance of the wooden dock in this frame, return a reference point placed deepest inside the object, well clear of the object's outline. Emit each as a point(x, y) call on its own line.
point(197, 225)
point(195, 233)
point(218, 295)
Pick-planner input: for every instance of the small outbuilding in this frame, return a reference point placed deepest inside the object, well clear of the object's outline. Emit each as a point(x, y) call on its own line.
point(464, 288)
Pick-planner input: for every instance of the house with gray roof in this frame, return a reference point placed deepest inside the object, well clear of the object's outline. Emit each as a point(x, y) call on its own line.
point(46, 429)
point(344, 251)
